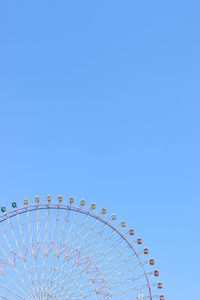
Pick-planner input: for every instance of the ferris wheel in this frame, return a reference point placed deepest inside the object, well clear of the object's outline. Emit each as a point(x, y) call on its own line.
point(61, 251)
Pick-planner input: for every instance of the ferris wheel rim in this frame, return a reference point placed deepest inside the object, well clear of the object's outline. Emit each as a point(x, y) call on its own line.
point(32, 208)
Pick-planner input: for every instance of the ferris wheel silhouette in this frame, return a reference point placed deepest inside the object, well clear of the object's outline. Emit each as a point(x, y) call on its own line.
point(54, 251)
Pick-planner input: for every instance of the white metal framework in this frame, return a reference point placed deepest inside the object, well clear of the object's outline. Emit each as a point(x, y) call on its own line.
point(56, 251)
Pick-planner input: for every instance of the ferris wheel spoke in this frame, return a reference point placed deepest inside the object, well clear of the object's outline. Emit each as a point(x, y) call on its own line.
point(4, 297)
point(51, 275)
point(123, 260)
point(69, 278)
point(48, 283)
point(84, 239)
point(126, 260)
point(13, 283)
point(100, 283)
point(83, 226)
point(64, 225)
point(62, 266)
point(35, 255)
point(90, 229)
point(128, 271)
point(23, 260)
point(61, 275)
point(78, 290)
point(59, 291)
point(98, 249)
point(113, 245)
point(71, 271)
point(133, 288)
point(9, 290)
point(12, 263)
point(118, 275)
point(67, 238)
point(96, 262)
point(110, 266)
point(45, 241)
point(33, 246)
point(19, 252)
point(106, 257)
point(52, 269)
point(34, 259)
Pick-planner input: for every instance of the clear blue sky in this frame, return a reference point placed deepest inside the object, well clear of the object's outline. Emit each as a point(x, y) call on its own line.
point(100, 99)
